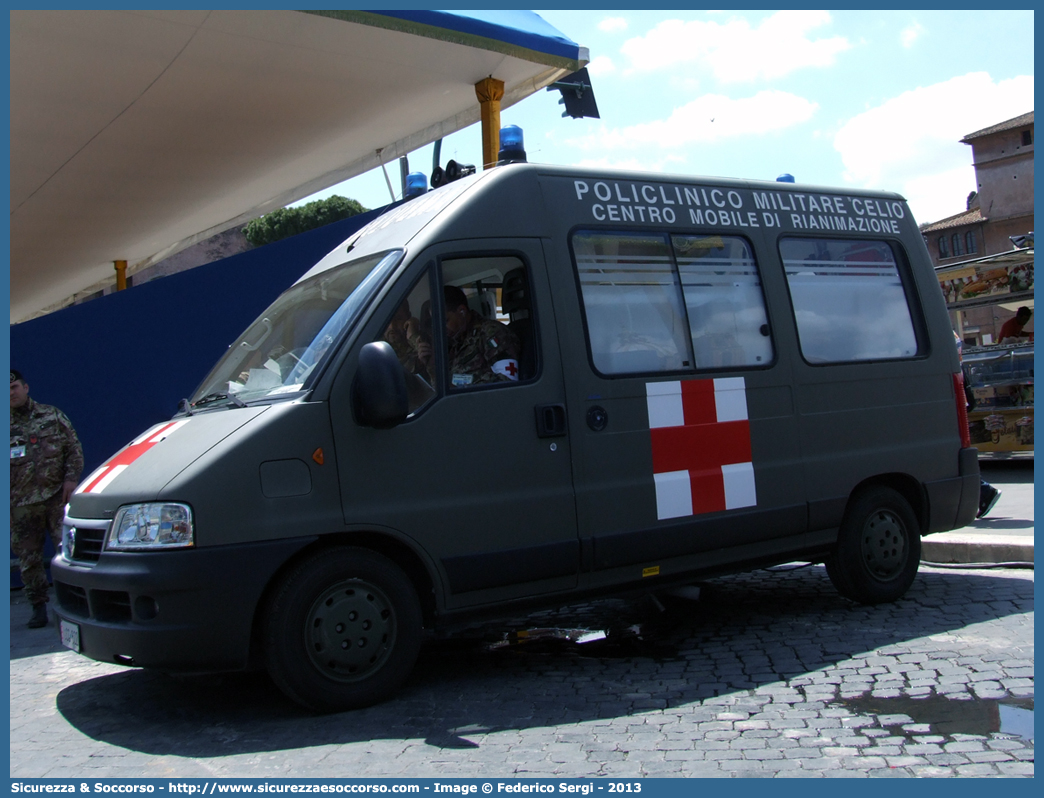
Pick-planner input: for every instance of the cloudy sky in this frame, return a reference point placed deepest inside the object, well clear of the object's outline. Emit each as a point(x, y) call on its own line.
point(875, 99)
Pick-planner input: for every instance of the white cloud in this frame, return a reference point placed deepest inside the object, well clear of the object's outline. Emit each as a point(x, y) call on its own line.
point(707, 119)
point(601, 65)
point(936, 196)
point(683, 86)
point(911, 143)
point(734, 50)
point(910, 34)
point(642, 163)
point(612, 24)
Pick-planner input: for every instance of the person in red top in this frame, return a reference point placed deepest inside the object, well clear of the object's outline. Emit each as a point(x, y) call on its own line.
point(1012, 328)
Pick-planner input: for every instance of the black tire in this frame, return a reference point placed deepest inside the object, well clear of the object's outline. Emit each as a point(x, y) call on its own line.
point(342, 630)
point(878, 548)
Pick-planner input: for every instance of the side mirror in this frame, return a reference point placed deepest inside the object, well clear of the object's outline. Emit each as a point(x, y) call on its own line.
point(379, 390)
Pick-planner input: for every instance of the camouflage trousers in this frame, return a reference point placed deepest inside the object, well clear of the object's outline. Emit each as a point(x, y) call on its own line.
point(29, 525)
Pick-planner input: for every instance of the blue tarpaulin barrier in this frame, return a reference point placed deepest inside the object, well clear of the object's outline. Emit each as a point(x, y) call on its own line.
point(119, 364)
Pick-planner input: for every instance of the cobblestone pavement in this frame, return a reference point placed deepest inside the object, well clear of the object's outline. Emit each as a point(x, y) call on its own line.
point(767, 674)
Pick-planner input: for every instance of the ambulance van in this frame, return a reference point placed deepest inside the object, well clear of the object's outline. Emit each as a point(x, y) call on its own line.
point(710, 376)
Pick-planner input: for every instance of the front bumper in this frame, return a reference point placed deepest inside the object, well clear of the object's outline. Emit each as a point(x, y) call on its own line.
point(189, 610)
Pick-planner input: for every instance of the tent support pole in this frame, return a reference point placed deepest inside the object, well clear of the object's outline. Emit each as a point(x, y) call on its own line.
point(121, 274)
point(490, 92)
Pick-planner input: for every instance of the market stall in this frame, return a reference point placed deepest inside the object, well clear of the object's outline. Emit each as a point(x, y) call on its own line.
point(1000, 417)
point(998, 371)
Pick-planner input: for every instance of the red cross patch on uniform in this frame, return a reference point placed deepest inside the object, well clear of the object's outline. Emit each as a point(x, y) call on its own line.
point(508, 367)
point(700, 446)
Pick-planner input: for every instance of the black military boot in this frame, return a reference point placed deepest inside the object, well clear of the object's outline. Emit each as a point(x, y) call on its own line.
point(988, 496)
point(39, 616)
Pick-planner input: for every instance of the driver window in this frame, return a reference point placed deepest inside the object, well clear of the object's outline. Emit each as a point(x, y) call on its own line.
point(489, 337)
point(409, 333)
point(485, 306)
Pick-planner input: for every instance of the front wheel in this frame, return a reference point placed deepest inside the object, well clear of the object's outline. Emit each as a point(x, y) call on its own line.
point(878, 548)
point(342, 630)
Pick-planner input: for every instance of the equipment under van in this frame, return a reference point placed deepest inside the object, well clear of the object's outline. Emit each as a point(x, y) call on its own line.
point(530, 386)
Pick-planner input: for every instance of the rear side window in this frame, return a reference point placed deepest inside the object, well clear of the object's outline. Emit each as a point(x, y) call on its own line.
point(724, 301)
point(671, 303)
point(633, 302)
point(849, 300)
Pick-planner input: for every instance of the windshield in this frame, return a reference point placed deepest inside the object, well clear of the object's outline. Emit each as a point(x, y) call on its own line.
point(281, 349)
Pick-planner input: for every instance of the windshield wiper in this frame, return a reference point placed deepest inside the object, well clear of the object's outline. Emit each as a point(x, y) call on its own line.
point(216, 397)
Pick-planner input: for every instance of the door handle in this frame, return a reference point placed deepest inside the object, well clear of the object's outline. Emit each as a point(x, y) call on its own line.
point(550, 421)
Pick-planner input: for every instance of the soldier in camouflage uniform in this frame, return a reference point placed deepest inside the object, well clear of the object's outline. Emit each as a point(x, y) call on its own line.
point(46, 462)
point(402, 326)
point(480, 350)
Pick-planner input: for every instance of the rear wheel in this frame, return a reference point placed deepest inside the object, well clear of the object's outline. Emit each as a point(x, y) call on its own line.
point(342, 630)
point(878, 548)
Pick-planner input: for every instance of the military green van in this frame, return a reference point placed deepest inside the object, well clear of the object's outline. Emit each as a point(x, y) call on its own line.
point(532, 385)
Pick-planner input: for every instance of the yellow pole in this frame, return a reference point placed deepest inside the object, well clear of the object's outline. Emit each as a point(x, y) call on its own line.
point(490, 91)
point(121, 274)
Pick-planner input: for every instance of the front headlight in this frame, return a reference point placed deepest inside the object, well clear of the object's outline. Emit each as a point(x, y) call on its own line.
point(151, 526)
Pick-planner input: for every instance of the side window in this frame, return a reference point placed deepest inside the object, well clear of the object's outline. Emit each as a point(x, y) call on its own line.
point(410, 334)
point(632, 301)
point(489, 334)
point(724, 300)
point(848, 299)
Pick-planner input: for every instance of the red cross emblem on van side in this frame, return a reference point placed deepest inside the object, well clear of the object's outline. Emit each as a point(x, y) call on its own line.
point(701, 446)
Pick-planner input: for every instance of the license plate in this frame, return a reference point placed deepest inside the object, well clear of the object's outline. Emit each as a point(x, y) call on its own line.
point(70, 635)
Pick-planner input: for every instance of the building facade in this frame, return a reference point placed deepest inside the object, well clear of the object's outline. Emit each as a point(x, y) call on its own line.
point(998, 219)
point(1002, 204)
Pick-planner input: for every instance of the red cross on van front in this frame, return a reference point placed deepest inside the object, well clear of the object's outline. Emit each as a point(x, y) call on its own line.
point(118, 463)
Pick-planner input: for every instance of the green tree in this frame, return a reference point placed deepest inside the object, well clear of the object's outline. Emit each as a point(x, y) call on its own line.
point(288, 222)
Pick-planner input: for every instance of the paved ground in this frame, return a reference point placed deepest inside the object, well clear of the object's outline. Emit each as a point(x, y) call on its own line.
point(767, 674)
point(1005, 534)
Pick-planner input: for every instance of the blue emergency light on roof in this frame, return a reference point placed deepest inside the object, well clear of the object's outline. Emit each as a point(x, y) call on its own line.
point(785, 178)
point(512, 147)
point(416, 184)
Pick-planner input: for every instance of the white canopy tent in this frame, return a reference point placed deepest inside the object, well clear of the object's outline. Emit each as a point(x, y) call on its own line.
point(135, 134)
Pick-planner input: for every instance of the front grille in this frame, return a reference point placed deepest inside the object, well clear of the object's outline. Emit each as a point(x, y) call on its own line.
point(82, 543)
point(82, 540)
point(72, 599)
point(109, 606)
